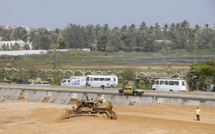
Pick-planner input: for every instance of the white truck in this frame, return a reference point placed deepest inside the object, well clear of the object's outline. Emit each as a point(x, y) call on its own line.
point(74, 81)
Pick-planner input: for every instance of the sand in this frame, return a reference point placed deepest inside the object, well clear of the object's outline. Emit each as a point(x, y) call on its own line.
point(20, 117)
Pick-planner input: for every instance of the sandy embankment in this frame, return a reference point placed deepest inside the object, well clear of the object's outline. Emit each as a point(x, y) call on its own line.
point(43, 118)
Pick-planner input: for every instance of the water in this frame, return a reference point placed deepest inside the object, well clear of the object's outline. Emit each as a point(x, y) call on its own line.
point(163, 59)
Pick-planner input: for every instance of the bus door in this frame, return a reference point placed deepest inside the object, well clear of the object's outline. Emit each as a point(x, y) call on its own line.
point(162, 86)
point(156, 85)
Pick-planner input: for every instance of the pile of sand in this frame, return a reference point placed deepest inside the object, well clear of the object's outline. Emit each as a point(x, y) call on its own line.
point(45, 118)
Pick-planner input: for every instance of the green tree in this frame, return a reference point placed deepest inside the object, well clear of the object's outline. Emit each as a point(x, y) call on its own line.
point(128, 75)
point(26, 47)
point(16, 46)
point(57, 78)
point(102, 43)
point(5, 47)
point(62, 43)
point(75, 36)
point(201, 74)
point(41, 42)
point(2, 74)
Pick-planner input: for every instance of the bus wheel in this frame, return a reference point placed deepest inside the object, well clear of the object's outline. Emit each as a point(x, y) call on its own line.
point(170, 90)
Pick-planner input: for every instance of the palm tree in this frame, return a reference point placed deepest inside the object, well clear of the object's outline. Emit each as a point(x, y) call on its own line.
point(157, 29)
point(116, 31)
point(165, 30)
point(206, 28)
point(105, 29)
point(197, 30)
point(97, 30)
point(132, 29)
point(143, 29)
point(185, 27)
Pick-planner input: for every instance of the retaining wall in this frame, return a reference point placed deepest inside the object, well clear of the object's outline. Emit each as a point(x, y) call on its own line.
point(66, 97)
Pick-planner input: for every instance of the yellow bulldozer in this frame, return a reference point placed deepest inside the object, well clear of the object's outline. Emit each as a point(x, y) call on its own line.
point(98, 107)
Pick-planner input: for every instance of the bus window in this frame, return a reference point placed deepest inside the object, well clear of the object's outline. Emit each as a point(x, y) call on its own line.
point(68, 81)
point(170, 82)
point(87, 79)
point(161, 82)
point(96, 79)
point(91, 79)
point(107, 79)
point(114, 79)
point(102, 79)
point(156, 82)
point(166, 83)
point(176, 83)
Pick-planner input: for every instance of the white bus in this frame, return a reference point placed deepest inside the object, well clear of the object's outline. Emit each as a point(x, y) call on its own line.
point(170, 85)
point(102, 81)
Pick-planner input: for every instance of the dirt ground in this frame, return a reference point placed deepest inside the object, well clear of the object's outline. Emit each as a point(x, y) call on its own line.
point(19, 117)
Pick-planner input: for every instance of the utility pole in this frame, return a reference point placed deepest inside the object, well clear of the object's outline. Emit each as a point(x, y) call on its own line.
point(54, 58)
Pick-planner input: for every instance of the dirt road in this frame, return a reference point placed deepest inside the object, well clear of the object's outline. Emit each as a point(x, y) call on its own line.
point(19, 117)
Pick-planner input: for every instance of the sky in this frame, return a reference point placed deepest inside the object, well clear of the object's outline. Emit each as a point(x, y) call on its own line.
point(53, 14)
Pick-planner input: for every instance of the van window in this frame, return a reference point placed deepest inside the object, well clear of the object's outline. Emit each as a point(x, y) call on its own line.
point(183, 83)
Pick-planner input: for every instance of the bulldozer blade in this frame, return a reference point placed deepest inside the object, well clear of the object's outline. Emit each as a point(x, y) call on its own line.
point(73, 116)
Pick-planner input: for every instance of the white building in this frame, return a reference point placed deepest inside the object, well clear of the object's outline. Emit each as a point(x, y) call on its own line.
point(11, 43)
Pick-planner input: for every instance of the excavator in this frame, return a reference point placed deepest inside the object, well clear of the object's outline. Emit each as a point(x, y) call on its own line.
point(86, 107)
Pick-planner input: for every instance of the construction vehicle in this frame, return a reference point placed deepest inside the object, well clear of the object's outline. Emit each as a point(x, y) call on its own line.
point(92, 108)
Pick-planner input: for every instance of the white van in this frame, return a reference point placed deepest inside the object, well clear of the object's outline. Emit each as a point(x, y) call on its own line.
point(170, 85)
point(74, 81)
point(102, 80)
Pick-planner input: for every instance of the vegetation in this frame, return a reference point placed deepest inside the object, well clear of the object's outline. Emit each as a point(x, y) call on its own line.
point(200, 75)
point(133, 38)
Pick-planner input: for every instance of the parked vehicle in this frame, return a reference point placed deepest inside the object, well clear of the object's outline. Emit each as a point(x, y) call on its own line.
point(170, 85)
point(130, 90)
point(45, 83)
point(102, 81)
point(74, 81)
point(23, 81)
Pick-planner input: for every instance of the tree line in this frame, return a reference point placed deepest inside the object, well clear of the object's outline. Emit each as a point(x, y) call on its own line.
point(130, 38)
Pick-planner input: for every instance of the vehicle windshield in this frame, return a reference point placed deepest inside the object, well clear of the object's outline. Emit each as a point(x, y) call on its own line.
point(134, 88)
point(46, 82)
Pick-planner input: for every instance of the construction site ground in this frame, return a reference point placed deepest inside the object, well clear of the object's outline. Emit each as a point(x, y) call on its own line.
point(20, 117)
